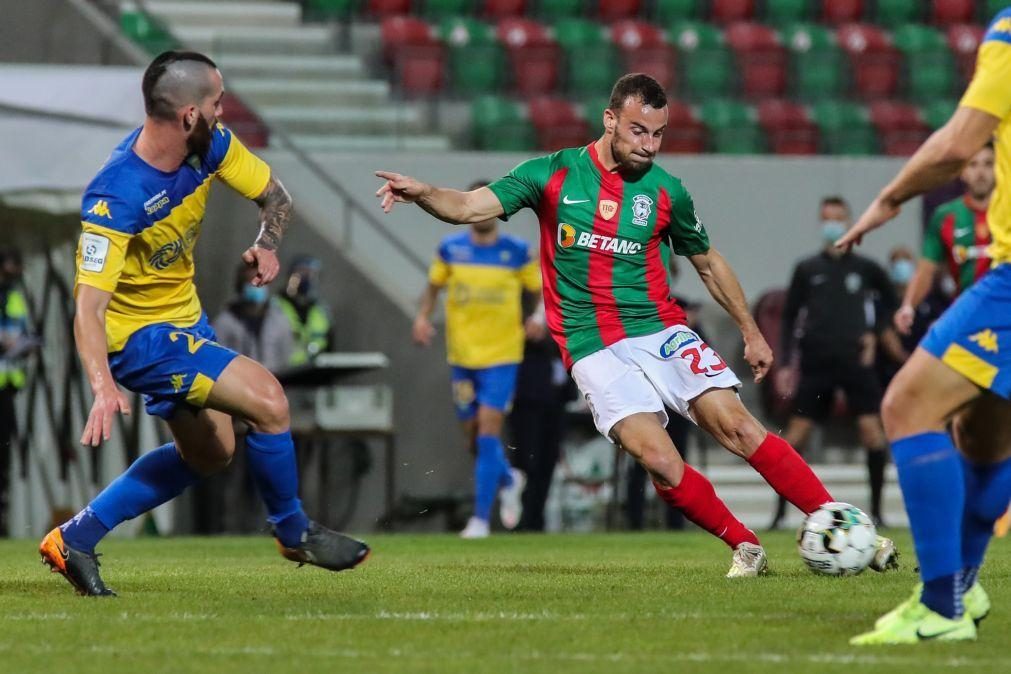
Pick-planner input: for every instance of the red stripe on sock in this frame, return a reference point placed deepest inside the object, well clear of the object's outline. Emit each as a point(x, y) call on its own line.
point(786, 472)
point(697, 499)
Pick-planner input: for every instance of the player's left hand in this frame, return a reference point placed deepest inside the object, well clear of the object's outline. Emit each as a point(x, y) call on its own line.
point(758, 353)
point(265, 262)
point(878, 213)
point(535, 329)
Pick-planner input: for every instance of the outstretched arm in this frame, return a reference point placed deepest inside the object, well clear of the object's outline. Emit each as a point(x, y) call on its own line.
point(722, 284)
point(92, 347)
point(452, 206)
point(275, 215)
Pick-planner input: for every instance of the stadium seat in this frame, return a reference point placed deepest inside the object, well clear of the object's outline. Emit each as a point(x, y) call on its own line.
point(685, 134)
point(816, 69)
point(558, 123)
point(947, 12)
point(991, 8)
point(936, 113)
point(532, 54)
point(501, 9)
point(706, 63)
point(666, 12)
point(645, 49)
point(729, 11)
point(842, 11)
point(929, 66)
point(873, 59)
point(146, 31)
point(732, 127)
point(388, 8)
point(761, 59)
point(844, 127)
point(591, 64)
point(900, 126)
point(963, 40)
point(788, 127)
point(892, 13)
point(783, 12)
point(476, 59)
point(614, 10)
point(500, 124)
point(331, 9)
point(553, 10)
point(410, 47)
point(436, 10)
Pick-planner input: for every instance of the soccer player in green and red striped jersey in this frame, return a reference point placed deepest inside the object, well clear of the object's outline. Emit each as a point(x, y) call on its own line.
point(609, 219)
point(958, 236)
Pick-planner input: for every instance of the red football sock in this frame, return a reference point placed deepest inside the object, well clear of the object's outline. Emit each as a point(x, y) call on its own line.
point(787, 473)
point(697, 499)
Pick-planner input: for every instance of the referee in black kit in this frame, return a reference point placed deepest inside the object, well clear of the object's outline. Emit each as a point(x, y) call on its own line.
point(836, 291)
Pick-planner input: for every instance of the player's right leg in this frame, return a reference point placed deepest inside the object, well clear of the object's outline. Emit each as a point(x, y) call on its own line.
point(798, 430)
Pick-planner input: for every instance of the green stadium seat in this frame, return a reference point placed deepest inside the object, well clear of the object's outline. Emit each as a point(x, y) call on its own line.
point(501, 125)
point(592, 63)
point(436, 10)
point(553, 10)
point(593, 110)
point(816, 63)
point(893, 13)
point(668, 11)
point(782, 12)
point(707, 65)
point(476, 59)
point(937, 113)
point(993, 7)
point(845, 128)
point(331, 9)
point(929, 64)
point(733, 127)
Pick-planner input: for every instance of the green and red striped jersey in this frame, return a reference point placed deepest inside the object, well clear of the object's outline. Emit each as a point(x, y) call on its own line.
point(605, 242)
point(958, 236)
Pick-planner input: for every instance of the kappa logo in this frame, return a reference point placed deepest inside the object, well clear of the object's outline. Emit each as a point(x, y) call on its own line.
point(178, 380)
point(607, 208)
point(987, 340)
point(642, 207)
point(101, 209)
point(675, 342)
point(566, 235)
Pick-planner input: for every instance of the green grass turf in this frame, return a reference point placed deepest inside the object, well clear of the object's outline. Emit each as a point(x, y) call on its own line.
point(575, 603)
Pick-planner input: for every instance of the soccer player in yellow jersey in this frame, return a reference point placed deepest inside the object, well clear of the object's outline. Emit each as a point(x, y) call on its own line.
point(139, 324)
point(485, 273)
point(959, 375)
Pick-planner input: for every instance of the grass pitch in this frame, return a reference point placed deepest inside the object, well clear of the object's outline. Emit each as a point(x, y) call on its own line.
point(525, 604)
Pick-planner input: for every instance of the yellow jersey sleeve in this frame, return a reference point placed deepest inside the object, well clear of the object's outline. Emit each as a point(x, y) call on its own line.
point(101, 256)
point(989, 90)
point(242, 170)
point(438, 273)
point(530, 276)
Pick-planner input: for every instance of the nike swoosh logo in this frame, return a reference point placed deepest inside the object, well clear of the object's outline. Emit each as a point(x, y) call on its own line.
point(65, 553)
point(568, 201)
point(923, 636)
point(962, 232)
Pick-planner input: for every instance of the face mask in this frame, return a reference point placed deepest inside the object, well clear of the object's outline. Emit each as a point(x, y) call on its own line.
point(831, 230)
point(255, 294)
point(902, 271)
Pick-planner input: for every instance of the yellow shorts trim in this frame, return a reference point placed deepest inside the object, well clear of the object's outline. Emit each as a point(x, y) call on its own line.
point(200, 389)
point(968, 364)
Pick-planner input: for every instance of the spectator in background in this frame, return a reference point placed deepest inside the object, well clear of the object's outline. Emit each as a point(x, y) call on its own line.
point(15, 342)
point(308, 317)
point(837, 343)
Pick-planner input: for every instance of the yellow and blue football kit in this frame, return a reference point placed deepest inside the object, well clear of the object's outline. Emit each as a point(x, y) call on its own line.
point(140, 225)
point(484, 315)
point(974, 336)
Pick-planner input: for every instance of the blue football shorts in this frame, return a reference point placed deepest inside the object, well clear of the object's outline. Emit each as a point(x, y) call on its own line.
point(489, 386)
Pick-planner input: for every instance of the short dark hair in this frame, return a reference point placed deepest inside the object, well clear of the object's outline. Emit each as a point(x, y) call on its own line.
point(156, 104)
point(834, 200)
point(639, 86)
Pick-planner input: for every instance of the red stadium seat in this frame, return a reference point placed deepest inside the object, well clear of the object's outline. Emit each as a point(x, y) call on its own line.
point(874, 61)
point(558, 123)
point(685, 134)
point(387, 8)
point(644, 49)
point(533, 55)
point(788, 127)
point(501, 9)
point(947, 12)
point(613, 10)
point(900, 126)
point(964, 39)
point(400, 32)
point(727, 11)
point(246, 124)
point(842, 11)
point(761, 59)
point(411, 48)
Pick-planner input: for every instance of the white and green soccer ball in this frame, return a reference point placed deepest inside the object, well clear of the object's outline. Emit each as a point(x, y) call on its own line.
point(837, 539)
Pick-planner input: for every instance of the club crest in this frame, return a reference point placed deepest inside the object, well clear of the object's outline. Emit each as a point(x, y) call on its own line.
point(642, 207)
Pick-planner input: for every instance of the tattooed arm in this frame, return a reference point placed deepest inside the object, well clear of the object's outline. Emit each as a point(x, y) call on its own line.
point(275, 214)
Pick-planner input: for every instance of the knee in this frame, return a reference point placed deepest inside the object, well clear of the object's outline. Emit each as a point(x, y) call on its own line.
point(272, 415)
point(213, 457)
point(489, 421)
point(663, 463)
point(895, 412)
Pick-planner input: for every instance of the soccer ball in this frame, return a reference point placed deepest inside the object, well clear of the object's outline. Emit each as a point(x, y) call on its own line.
point(837, 539)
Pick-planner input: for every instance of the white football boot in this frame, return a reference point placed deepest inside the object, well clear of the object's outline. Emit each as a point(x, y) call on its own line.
point(886, 555)
point(510, 505)
point(476, 528)
point(749, 561)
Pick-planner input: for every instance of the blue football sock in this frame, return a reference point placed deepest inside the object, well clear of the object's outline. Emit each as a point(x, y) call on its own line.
point(488, 470)
point(271, 460)
point(154, 478)
point(987, 492)
point(930, 474)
